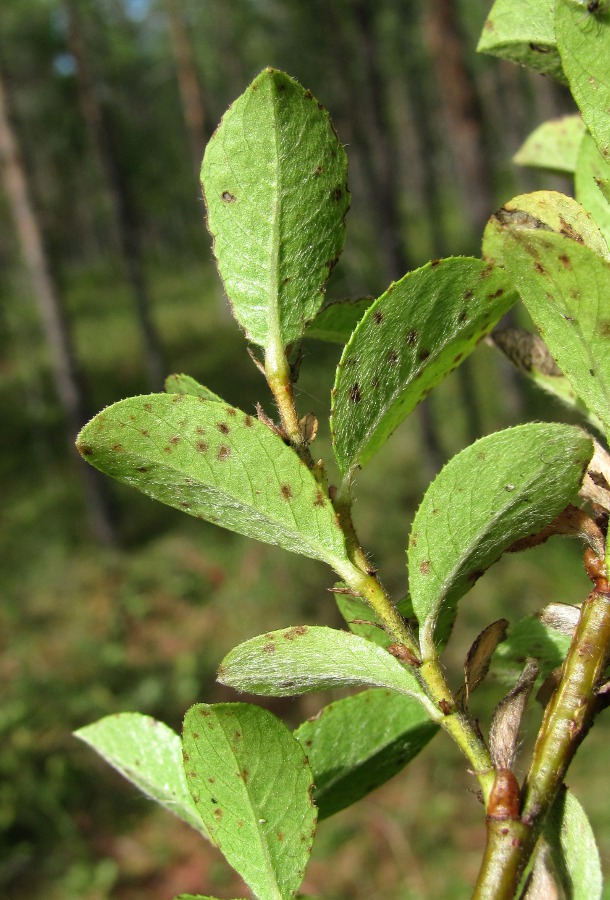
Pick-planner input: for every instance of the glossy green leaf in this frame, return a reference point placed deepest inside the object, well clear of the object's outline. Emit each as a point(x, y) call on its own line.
point(545, 211)
point(184, 384)
point(410, 338)
point(149, 754)
point(524, 33)
point(274, 178)
point(592, 173)
point(361, 619)
point(235, 757)
point(503, 487)
point(336, 320)
point(554, 145)
point(565, 287)
point(357, 744)
point(583, 41)
point(311, 658)
point(574, 852)
point(216, 463)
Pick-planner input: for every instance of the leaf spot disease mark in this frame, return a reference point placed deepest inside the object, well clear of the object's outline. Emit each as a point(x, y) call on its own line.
point(202, 447)
point(423, 355)
point(539, 268)
point(228, 197)
point(378, 317)
point(564, 259)
point(411, 337)
point(175, 439)
point(295, 632)
point(336, 193)
point(354, 394)
point(392, 357)
point(218, 813)
point(248, 421)
point(280, 836)
point(142, 469)
point(231, 412)
point(86, 449)
point(286, 492)
point(424, 567)
point(603, 328)
point(222, 427)
point(224, 453)
point(269, 648)
point(319, 501)
point(118, 448)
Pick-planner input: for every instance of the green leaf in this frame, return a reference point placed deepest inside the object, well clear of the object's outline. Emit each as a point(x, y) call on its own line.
point(583, 41)
point(410, 338)
point(337, 319)
point(275, 182)
point(216, 463)
point(184, 384)
point(565, 287)
point(310, 658)
point(503, 487)
point(530, 355)
point(524, 33)
point(149, 754)
point(252, 784)
point(574, 852)
point(554, 145)
point(531, 638)
point(361, 619)
point(592, 173)
point(547, 211)
point(357, 744)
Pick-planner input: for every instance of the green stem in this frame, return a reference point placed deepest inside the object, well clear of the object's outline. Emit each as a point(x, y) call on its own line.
point(438, 698)
point(567, 719)
point(277, 371)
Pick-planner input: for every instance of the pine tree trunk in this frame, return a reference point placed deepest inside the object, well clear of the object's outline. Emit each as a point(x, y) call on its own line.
point(191, 95)
point(66, 376)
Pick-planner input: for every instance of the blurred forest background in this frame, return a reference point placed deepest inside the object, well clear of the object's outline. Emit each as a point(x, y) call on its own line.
point(111, 602)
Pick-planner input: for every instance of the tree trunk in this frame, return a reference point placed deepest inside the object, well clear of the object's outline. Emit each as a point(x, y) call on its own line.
point(102, 137)
point(191, 95)
point(462, 109)
point(63, 361)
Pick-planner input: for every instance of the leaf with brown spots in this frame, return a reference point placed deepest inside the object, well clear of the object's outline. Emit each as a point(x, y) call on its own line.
point(312, 659)
point(407, 342)
point(149, 754)
point(280, 235)
point(524, 33)
point(184, 384)
point(216, 463)
point(468, 518)
point(248, 752)
point(569, 305)
point(584, 57)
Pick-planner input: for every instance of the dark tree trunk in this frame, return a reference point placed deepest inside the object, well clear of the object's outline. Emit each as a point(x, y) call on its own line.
point(66, 376)
point(191, 95)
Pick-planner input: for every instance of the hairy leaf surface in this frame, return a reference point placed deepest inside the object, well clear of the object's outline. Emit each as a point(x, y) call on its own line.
point(568, 833)
point(566, 288)
point(311, 658)
point(410, 338)
point(216, 463)
point(554, 145)
point(592, 176)
point(149, 754)
point(275, 182)
point(583, 41)
point(235, 757)
point(502, 488)
point(184, 384)
point(357, 744)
